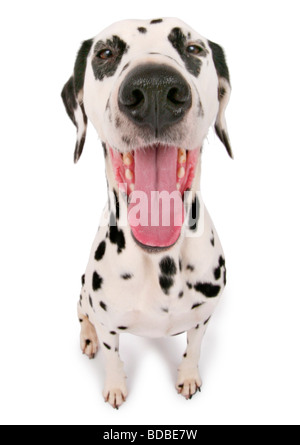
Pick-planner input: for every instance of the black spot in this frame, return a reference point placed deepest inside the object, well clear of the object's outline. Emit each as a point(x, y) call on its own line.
point(180, 386)
point(80, 64)
point(100, 251)
point(117, 205)
point(221, 261)
point(156, 21)
point(164, 309)
point(126, 276)
point(83, 280)
point(200, 110)
point(180, 295)
point(208, 289)
point(225, 276)
point(97, 281)
point(116, 235)
point(180, 265)
point(107, 67)
point(122, 328)
point(117, 122)
point(179, 42)
point(221, 93)
point(113, 333)
point(190, 268)
point(165, 283)
point(126, 140)
point(80, 320)
point(103, 305)
point(104, 149)
point(125, 67)
point(212, 240)
point(197, 327)
point(217, 273)
point(142, 30)
point(206, 321)
point(222, 135)
point(217, 270)
point(196, 305)
point(194, 214)
point(219, 60)
point(167, 266)
point(184, 355)
point(80, 298)
point(189, 285)
point(106, 345)
point(87, 342)
point(91, 301)
point(116, 349)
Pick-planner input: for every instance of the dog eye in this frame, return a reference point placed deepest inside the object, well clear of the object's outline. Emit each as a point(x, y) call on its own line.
point(194, 49)
point(105, 54)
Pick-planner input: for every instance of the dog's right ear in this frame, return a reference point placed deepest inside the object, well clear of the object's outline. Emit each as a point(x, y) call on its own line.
point(224, 91)
point(72, 96)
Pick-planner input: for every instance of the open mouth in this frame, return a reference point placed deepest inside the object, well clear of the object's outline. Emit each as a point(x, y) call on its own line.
point(155, 179)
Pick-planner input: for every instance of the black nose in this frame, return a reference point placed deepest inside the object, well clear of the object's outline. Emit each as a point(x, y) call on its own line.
point(156, 96)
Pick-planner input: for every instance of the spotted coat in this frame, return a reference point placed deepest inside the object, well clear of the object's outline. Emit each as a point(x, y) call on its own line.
point(129, 287)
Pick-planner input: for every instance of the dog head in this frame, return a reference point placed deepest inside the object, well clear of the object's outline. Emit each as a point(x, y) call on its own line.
point(152, 89)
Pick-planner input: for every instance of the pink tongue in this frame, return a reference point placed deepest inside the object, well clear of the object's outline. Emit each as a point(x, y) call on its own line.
point(156, 222)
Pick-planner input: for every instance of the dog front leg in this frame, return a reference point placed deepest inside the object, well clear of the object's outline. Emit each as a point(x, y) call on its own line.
point(115, 390)
point(189, 381)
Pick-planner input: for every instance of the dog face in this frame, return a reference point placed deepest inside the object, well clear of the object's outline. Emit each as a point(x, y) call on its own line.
point(151, 89)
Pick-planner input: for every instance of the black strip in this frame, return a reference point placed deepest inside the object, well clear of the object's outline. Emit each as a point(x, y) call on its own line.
point(80, 64)
point(219, 60)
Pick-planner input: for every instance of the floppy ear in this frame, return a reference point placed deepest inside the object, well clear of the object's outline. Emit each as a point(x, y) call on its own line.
point(224, 91)
point(72, 96)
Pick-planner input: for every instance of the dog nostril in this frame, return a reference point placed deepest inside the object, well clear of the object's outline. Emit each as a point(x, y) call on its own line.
point(137, 98)
point(178, 96)
point(132, 98)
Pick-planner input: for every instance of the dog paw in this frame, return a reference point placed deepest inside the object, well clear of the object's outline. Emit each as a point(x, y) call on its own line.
point(188, 382)
point(115, 393)
point(88, 339)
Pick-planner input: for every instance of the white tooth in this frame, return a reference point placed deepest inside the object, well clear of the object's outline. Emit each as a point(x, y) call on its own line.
point(181, 156)
point(131, 187)
point(127, 159)
point(178, 186)
point(180, 172)
point(128, 174)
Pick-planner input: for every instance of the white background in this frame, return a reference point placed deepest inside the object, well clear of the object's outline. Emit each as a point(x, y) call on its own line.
point(50, 211)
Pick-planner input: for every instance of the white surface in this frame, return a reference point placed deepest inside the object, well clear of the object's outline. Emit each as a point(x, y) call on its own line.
point(50, 212)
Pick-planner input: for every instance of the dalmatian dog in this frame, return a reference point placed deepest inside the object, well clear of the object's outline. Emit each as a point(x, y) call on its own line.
point(152, 89)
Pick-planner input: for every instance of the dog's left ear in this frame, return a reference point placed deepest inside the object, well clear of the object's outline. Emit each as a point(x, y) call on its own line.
point(224, 91)
point(72, 96)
